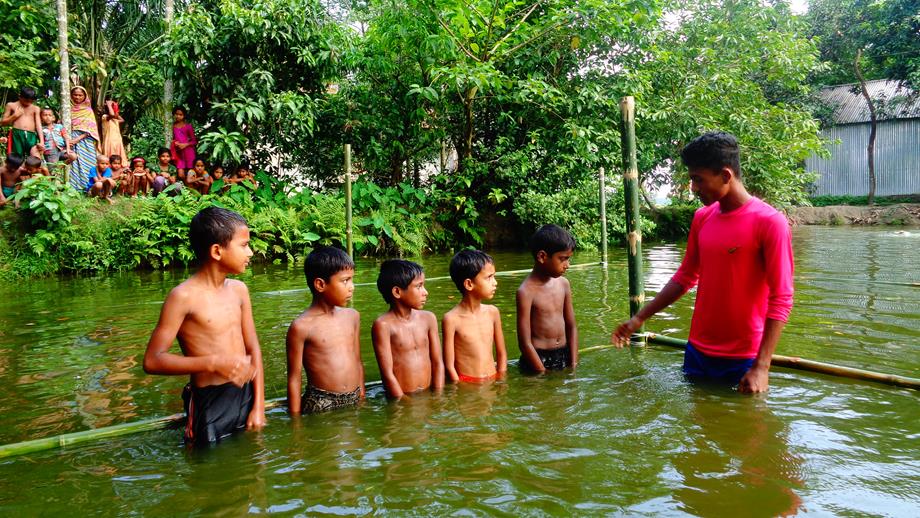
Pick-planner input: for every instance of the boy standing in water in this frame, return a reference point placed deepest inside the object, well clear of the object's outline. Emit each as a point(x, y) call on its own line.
point(324, 338)
point(212, 318)
point(25, 117)
point(740, 253)
point(471, 327)
point(547, 334)
point(405, 337)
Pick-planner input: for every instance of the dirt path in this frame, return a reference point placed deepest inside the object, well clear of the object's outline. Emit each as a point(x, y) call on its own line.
point(900, 214)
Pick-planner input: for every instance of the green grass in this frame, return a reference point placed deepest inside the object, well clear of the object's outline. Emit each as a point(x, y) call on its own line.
point(825, 201)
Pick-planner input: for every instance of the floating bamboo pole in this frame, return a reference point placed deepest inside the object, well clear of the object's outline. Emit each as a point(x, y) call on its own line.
point(349, 236)
point(631, 192)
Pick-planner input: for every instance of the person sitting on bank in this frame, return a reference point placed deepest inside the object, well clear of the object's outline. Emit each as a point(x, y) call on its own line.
point(547, 335)
point(9, 175)
point(25, 139)
point(324, 339)
point(211, 316)
point(406, 341)
point(101, 185)
point(472, 328)
point(739, 252)
point(164, 173)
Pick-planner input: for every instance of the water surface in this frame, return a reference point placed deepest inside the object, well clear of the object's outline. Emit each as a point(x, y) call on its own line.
point(624, 434)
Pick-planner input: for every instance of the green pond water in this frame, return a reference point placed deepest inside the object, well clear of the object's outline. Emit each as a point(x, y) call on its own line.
point(624, 434)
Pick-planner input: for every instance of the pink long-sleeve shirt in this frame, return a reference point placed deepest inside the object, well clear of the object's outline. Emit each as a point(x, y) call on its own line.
point(742, 261)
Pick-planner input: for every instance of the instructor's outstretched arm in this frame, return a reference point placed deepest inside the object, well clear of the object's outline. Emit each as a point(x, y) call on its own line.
point(668, 295)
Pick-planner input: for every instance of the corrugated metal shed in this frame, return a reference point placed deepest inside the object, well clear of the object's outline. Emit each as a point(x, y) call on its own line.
point(897, 145)
point(893, 101)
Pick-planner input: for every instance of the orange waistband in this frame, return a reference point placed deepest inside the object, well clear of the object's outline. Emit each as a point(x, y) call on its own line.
point(476, 379)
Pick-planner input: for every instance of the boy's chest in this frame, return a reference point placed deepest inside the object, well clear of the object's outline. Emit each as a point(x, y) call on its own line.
point(725, 242)
point(474, 330)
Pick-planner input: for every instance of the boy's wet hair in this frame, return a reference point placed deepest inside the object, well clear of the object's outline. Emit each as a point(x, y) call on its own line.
point(551, 239)
point(713, 150)
point(32, 162)
point(28, 93)
point(324, 262)
point(466, 265)
point(13, 161)
point(163, 150)
point(396, 273)
point(115, 158)
point(213, 226)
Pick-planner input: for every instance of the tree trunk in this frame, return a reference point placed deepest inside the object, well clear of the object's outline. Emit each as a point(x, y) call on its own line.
point(468, 99)
point(873, 126)
point(168, 84)
point(64, 71)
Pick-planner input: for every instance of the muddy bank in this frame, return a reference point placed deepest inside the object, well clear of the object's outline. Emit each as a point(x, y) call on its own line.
point(900, 214)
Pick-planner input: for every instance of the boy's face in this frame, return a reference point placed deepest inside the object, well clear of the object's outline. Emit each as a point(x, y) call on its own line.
point(25, 102)
point(102, 164)
point(30, 170)
point(340, 287)
point(116, 164)
point(47, 117)
point(484, 285)
point(710, 185)
point(235, 254)
point(415, 295)
point(557, 264)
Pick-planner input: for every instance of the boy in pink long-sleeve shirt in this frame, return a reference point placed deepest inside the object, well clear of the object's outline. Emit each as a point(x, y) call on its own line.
point(739, 252)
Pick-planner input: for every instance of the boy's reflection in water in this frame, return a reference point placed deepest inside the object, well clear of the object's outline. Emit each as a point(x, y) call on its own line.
point(738, 463)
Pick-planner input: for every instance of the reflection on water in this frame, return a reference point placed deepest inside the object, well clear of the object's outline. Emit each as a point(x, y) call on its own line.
point(625, 434)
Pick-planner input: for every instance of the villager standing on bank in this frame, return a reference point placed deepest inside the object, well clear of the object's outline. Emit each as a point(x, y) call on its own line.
point(112, 143)
point(183, 144)
point(85, 138)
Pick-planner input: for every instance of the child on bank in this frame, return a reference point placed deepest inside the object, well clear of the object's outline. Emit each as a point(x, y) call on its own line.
point(198, 178)
point(323, 340)
point(142, 177)
point(212, 318)
point(101, 183)
point(164, 173)
point(547, 335)
point(124, 181)
point(32, 166)
point(9, 175)
point(405, 337)
point(26, 136)
point(471, 327)
point(57, 140)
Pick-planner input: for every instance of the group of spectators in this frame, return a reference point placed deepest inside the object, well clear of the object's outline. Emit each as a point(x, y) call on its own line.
point(38, 142)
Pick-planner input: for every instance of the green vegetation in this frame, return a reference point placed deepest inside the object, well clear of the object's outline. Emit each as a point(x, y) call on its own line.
point(826, 201)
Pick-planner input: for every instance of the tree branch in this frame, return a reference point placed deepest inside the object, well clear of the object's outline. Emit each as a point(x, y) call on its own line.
point(516, 27)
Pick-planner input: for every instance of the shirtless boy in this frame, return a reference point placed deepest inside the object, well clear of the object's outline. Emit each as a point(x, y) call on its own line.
point(471, 327)
point(32, 166)
point(547, 334)
point(212, 318)
point(323, 340)
point(406, 340)
point(9, 175)
point(25, 117)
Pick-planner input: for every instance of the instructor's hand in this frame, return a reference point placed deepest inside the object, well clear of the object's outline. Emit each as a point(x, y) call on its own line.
point(256, 420)
point(755, 380)
point(620, 337)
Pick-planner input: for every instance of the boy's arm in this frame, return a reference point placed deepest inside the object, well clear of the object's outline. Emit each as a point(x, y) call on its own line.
point(501, 354)
point(380, 336)
point(448, 327)
point(158, 359)
point(434, 353)
point(37, 120)
point(10, 114)
point(528, 353)
point(256, 419)
point(571, 329)
point(296, 336)
point(358, 349)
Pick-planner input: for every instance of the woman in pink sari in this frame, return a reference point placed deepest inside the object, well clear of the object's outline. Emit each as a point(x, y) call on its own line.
point(184, 142)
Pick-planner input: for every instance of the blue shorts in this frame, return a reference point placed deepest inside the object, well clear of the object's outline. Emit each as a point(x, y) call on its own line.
point(698, 366)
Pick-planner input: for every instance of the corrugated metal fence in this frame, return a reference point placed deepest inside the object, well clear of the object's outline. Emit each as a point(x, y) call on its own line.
point(846, 172)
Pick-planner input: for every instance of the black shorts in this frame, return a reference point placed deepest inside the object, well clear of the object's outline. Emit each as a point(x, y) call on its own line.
point(216, 411)
point(553, 359)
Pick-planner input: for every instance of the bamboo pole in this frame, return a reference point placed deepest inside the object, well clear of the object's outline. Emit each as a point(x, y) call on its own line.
point(168, 86)
point(631, 192)
point(349, 236)
point(794, 362)
point(603, 196)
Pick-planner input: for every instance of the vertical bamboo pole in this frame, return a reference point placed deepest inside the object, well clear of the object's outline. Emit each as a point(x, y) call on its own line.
point(603, 195)
point(631, 191)
point(349, 243)
point(168, 86)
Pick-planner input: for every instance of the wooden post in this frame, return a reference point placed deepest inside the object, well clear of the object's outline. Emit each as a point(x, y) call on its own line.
point(168, 87)
point(349, 243)
point(631, 191)
point(603, 196)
